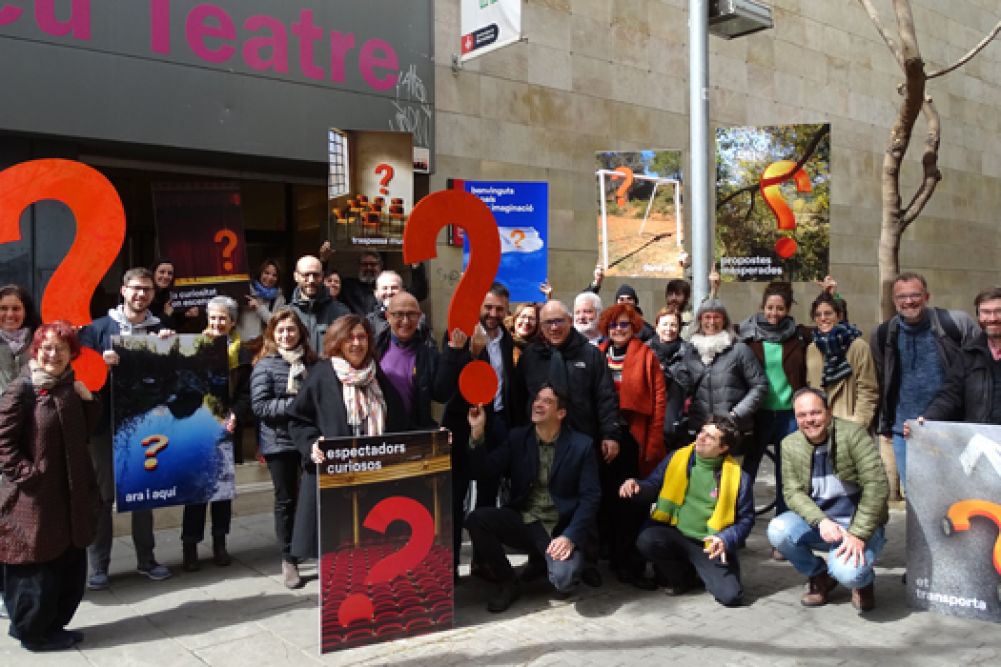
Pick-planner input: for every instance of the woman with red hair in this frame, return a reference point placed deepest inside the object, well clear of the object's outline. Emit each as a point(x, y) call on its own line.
point(640, 384)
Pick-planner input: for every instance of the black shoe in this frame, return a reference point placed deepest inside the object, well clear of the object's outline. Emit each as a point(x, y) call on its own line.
point(534, 569)
point(73, 635)
point(591, 576)
point(636, 579)
point(189, 557)
point(57, 641)
point(219, 554)
point(483, 571)
point(507, 593)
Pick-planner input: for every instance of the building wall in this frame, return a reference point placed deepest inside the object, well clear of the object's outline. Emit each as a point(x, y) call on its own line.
point(599, 74)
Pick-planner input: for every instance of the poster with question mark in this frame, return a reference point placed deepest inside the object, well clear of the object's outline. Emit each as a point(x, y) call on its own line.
point(773, 202)
point(385, 538)
point(954, 519)
point(199, 228)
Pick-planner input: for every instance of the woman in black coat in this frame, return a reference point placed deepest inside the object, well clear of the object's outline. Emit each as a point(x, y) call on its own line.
point(279, 371)
point(344, 395)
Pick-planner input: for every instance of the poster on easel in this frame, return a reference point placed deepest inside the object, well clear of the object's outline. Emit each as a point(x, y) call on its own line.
point(385, 538)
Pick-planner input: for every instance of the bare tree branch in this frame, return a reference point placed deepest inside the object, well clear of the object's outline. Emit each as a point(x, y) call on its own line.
point(969, 56)
point(736, 193)
point(750, 209)
point(929, 162)
point(878, 22)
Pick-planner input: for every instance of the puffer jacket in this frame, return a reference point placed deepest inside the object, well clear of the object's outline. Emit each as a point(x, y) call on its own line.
point(733, 383)
point(271, 402)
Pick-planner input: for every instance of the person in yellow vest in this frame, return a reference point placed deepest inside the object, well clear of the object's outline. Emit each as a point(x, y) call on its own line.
point(702, 507)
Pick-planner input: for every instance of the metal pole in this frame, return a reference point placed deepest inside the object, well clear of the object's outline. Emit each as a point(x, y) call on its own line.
point(604, 221)
point(698, 105)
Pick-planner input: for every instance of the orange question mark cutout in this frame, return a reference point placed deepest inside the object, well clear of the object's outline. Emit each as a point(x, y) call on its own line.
point(385, 512)
point(520, 234)
point(229, 236)
point(156, 443)
point(478, 381)
point(628, 178)
point(774, 174)
point(959, 515)
point(388, 171)
point(100, 231)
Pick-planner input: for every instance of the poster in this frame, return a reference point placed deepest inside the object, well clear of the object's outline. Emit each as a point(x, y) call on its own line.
point(521, 209)
point(640, 216)
point(773, 202)
point(168, 407)
point(370, 190)
point(953, 518)
point(199, 227)
point(385, 538)
point(486, 25)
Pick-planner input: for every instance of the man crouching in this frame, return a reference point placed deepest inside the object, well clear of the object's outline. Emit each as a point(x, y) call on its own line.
point(703, 511)
point(554, 498)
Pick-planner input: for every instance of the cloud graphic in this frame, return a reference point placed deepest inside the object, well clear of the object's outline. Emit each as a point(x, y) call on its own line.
point(520, 239)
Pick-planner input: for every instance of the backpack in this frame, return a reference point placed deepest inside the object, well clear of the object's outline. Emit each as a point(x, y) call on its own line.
point(948, 324)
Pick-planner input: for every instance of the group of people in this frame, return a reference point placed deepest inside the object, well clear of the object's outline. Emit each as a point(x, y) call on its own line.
point(608, 437)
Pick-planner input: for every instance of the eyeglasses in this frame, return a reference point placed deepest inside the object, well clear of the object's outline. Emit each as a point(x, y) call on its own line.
point(914, 296)
point(624, 324)
point(553, 324)
point(140, 288)
point(316, 275)
point(408, 314)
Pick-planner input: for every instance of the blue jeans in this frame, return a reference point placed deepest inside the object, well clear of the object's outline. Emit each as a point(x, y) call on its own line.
point(797, 540)
point(900, 456)
point(770, 426)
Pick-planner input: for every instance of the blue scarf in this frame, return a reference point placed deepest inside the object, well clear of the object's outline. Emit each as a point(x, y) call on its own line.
point(834, 346)
point(266, 293)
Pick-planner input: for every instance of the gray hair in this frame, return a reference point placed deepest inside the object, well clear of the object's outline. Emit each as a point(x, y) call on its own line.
point(593, 298)
point(223, 302)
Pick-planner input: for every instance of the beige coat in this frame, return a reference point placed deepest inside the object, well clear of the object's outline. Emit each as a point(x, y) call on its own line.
point(854, 397)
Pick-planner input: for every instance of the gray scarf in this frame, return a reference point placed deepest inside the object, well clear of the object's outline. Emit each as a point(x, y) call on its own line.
point(756, 327)
point(297, 369)
point(42, 379)
point(16, 340)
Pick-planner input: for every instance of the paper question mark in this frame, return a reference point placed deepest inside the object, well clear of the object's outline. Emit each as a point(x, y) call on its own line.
point(384, 182)
point(229, 236)
point(156, 443)
point(520, 237)
point(628, 178)
point(774, 174)
point(385, 512)
point(100, 231)
point(478, 381)
point(958, 519)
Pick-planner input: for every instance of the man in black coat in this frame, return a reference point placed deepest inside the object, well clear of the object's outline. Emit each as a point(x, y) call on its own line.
point(554, 499)
point(311, 301)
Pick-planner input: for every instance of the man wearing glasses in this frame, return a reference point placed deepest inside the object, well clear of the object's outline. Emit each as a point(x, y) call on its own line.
point(913, 352)
point(311, 300)
point(408, 358)
point(131, 318)
point(359, 293)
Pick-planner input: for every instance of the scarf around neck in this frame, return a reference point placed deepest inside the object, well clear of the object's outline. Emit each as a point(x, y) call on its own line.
point(266, 293)
point(757, 327)
point(16, 340)
point(43, 380)
point(363, 399)
point(834, 345)
point(297, 368)
point(710, 346)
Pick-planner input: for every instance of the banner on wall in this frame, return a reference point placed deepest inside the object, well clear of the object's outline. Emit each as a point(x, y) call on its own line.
point(487, 25)
point(199, 226)
point(521, 209)
point(953, 519)
point(370, 191)
point(385, 538)
point(773, 202)
point(169, 402)
point(640, 213)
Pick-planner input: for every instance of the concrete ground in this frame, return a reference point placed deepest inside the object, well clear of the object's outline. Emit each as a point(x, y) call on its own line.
point(243, 615)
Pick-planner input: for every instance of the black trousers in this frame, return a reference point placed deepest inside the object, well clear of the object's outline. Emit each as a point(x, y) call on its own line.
point(680, 559)
point(619, 519)
point(284, 468)
point(193, 520)
point(41, 598)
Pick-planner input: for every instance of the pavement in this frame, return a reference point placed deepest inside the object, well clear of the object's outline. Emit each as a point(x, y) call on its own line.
point(243, 614)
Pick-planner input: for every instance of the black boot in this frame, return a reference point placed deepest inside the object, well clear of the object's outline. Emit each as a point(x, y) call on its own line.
point(219, 554)
point(507, 592)
point(189, 557)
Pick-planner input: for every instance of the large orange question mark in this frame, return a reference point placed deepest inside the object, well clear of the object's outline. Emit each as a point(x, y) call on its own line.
point(384, 182)
point(100, 231)
point(478, 381)
point(395, 508)
point(159, 443)
point(229, 236)
point(628, 177)
point(958, 519)
point(774, 174)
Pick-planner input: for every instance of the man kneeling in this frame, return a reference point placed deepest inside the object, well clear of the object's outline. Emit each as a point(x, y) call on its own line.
point(704, 510)
point(836, 489)
point(554, 497)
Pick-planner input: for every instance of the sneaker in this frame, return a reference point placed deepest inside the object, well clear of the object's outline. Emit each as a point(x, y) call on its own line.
point(155, 571)
point(98, 581)
point(290, 575)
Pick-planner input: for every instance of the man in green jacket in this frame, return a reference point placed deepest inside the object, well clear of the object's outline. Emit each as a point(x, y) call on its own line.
point(836, 489)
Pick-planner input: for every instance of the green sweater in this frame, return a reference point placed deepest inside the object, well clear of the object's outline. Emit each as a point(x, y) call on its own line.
point(856, 459)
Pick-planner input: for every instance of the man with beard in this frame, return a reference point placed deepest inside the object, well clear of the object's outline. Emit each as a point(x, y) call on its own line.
point(586, 310)
point(311, 300)
point(491, 343)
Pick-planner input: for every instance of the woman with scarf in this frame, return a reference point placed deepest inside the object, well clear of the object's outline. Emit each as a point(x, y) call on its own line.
point(265, 298)
point(839, 361)
point(18, 321)
point(669, 348)
point(162, 308)
point(639, 382)
point(779, 345)
point(344, 395)
point(279, 370)
point(49, 498)
point(524, 327)
point(221, 311)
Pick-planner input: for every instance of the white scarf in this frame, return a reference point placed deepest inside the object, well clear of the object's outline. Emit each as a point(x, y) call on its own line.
point(363, 399)
point(709, 346)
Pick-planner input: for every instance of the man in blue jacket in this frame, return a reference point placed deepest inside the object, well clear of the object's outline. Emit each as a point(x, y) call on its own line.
point(554, 498)
point(702, 509)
